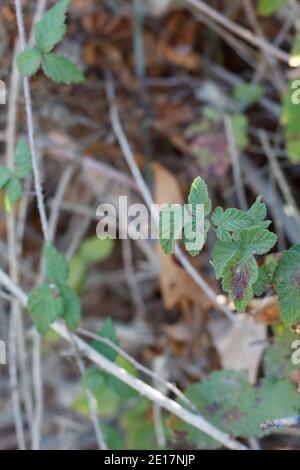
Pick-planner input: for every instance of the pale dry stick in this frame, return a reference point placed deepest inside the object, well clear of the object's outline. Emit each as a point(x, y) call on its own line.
point(279, 176)
point(15, 312)
point(129, 157)
point(168, 385)
point(237, 173)
point(158, 368)
point(244, 33)
point(144, 389)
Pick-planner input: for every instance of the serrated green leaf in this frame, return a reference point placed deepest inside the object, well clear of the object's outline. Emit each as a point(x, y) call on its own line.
point(229, 221)
point(256, 241)
point(107, 331)
point(239, 276)
point(56, 265)
point(199, 195)
point(72, 307)
point(50, 30)
point(13, 192)
point(45, 305)
point(60, 69)
point(268, 7)
point(287, 285)
point(23, 160)
point(171, 222)
point(29, 62)
point(258, 213)
point(5, 176)
point(221, 255)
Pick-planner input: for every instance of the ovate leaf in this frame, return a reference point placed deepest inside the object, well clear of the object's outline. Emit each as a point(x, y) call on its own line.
point(5, 176)
point(45, 305)
point(199, 195)
point(23, 159)
point(258, 212)
point(238, 278)
point(60, 69)
point(72, 307)
point(287, 285)
point(52, 27)
point(29, 62)
point(56, 265)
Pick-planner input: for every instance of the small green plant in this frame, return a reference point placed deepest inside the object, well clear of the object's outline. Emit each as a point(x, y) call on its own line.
point(48, 32)
point(241, 236)
point(268, 7)
point(54, 299)
point(11, 181)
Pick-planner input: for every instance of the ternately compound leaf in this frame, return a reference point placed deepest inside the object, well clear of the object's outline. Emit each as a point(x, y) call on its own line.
point(222, 253)
point(287, 285)
point(56, 265)
point(171, 222)
point(45, 305)
point(23, 159)
point(60, 69)
point(29, 62)
point(72, 307)
point(229, 221)
point(5, 176)
point(199, 195)
point(239, 276)
point(256, 241)
point(107, 331)
point(50, 30)
point(267, 7)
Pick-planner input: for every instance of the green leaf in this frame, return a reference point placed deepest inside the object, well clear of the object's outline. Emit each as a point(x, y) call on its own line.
point(258, 213)
point(236, 407)
point(246, 94)
point(29, 62)
point(56, 265)
point(50, 30)
point(265, 275)
point(229, 221)
point(268, 7)
point(107, 331)
point(199, 195)
point(239, 126)
point(45, 305)
point(277, 358)
point(222, 253)
point(60, 69)
point(23, 159)
point(5, 176)
point(72, 307)
point(94, 250)
point(290, 119)
point(195, 236)
point(287, 285)
point(171, 222)
point(256, 241)
point(239, 276)
point(295, 54)
point(13, 192)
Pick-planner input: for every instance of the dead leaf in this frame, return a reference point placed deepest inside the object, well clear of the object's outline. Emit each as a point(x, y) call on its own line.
point(241, 344)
